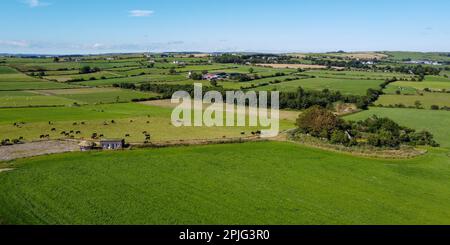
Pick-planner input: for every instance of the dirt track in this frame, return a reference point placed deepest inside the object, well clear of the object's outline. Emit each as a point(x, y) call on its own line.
point(12, 152)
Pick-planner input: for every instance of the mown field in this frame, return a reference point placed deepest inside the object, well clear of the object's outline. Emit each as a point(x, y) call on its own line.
point(251, 183)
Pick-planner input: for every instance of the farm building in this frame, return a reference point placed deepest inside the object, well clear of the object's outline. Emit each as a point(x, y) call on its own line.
point(217, 76)
point(112, 144)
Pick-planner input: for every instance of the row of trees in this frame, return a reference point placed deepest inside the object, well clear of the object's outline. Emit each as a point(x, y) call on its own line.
point(339, 63)
point(253, 59)
point(375, 131)
point(300, 99)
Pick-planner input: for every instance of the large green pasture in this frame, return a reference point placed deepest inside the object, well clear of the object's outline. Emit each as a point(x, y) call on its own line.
point(129, 118)
point(251, 183)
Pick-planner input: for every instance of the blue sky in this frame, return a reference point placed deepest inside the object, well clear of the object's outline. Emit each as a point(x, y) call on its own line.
point(100, 26)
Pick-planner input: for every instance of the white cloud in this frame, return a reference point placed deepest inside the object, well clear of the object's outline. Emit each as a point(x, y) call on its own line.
point(140, 13)
point(14, 43)
point(36, 3)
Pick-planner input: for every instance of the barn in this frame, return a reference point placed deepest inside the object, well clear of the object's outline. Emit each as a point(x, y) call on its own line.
point(112, 144)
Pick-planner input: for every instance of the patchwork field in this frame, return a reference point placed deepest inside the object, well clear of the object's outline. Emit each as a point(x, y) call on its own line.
point(277, 183)
point(11, 79)
point(251, 183)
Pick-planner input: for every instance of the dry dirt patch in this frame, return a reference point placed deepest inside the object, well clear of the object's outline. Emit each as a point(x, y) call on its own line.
point(12, 152)
point(364, 55)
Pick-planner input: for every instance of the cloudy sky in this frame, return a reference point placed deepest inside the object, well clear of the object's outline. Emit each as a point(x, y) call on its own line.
point(100, 26)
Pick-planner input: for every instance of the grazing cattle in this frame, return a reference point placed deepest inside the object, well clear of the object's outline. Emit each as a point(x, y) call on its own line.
point(71, 131)
point(53, 129)
point(144, 132)
point(101, 135)
point(42, 136)
point(82, 123)
point(148, 122)
point(127, 135)
point(78, 132)
point(131, 121)
point(74, 123)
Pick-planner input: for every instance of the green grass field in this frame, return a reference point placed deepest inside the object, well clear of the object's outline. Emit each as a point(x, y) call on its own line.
point(100, 95)
point(129, 118)
point(96, 75)
point(356, 74)
point(251, 183)
point(135, 80)
point(34, 85)
point(33, 100)
point(417, 56)
point(59, 97)
point(427, 99)
point(437, 122)
point(431, 82)
point(345, 86)
point(7, 70)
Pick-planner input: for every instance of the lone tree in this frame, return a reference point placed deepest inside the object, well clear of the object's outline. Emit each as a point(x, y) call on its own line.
point(85, 69)
point(318, 121)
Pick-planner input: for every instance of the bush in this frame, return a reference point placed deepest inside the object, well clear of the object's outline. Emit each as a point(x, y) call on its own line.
point(434, 107)
point(339, 137)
